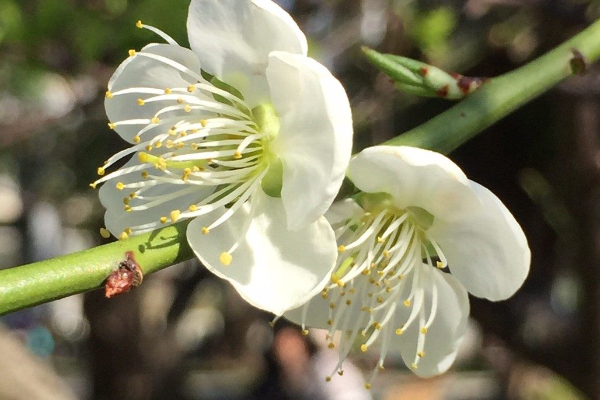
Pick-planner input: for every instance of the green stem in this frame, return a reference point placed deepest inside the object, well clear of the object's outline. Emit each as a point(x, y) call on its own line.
point(500, 96)
point(43, 281)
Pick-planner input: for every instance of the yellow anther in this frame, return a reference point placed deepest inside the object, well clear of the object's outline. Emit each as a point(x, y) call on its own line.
point(342, 248)
point(131, 53)
point(421, 354)
point(126, 200)
point(424, 330)
point(187, 108)
point(386, 254)
point(225, 258)
point(193, 208)
point(407, 303)
point(380, 367)
point(196, 169)
point(304, 332)
point(144, 174)
point(399, 331)
point(108, 94)
point(237, 155)
point(400, 277)
point(101, 171)
point(340, 372)
point(104, 233)
point(127, 208)
point(363, 348)
point(172, 131)
point(191, 88)
point(332, 305)
point(169, 144)
point(137, 139)
point(123, 236)
point(380, 239)
point(149, 148)
point(327, 379)
point(182, 134)
point(348, 302)
point(331, 345)
point(439, 264)
point(324, 295)
point(133, 195)
point(203, 122)
point(168, 91)
point(155, 120)
point(380, 299)
point(180, 100)
point(120, 185)
point(144, 157)
point(139, 24)
point(367, 385)
point(175, 214)
point(128, 231)
point(140, 102)
point(351, 291)
point(163, 220)
point(414, 366)
point(112, 126)
point(377, 326)
point(329, 322)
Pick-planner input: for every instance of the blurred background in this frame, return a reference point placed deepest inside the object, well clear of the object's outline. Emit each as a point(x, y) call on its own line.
point(187, 335)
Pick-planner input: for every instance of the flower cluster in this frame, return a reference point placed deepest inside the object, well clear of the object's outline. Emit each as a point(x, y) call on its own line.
point(250, 139)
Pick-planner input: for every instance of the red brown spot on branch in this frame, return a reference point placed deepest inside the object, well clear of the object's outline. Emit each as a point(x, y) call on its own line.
point(443, 92)
point(578, 63)
point(424, 71)
point(127, 276)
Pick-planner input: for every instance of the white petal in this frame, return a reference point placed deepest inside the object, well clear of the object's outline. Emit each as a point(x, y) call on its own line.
point(487, 249)
point(273, 268)
point(117, 219)
point(315, 138)
point(415, 178)
point(139, 71)
point(233, 39)
point(444, 334)
point(343, 210)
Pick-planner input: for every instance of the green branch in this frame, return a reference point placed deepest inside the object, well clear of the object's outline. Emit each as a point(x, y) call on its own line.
point(44, 281)
point(502, 95)
point(40, 282)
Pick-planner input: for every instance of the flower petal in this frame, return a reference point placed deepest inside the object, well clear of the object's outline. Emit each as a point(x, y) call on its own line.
point(143, 72)
point(273, 268)
point(117, 219)
point(415, 178)
point(342, 210)
point(487, 249)
point(315, 138)
point(445, 333)
point(233, 39)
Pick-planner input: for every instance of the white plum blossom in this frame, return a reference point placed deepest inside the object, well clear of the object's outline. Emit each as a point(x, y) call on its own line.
point(418, 237)
point(245, 136)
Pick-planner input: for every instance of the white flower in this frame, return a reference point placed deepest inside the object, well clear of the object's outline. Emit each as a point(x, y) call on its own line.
point(253, 154)
point(423, 236)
